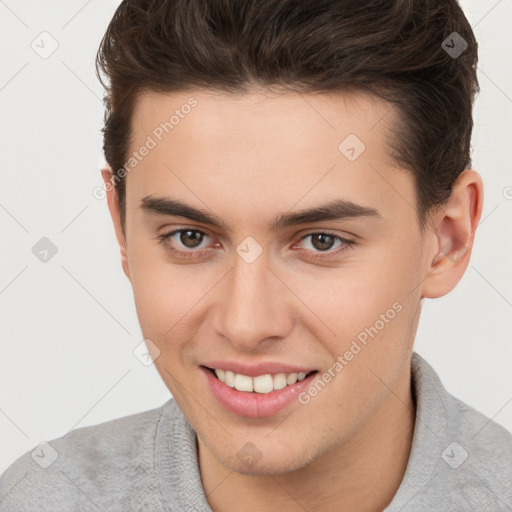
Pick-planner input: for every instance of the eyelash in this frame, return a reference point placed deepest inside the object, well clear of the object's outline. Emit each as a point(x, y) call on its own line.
point(346, 244)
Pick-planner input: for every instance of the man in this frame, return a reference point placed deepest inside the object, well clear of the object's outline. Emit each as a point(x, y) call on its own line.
point(288, 181)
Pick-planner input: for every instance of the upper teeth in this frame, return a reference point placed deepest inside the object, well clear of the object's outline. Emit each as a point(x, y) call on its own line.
point(260, 384)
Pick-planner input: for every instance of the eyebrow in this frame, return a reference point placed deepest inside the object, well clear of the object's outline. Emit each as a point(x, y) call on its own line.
point(335, 210)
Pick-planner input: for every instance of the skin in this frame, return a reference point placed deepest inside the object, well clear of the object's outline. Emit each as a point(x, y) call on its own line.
point(247, 159)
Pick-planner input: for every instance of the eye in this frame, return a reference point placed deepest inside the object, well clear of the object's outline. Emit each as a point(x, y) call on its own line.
point(190, 238)
point(185, 243)
point(323, 243)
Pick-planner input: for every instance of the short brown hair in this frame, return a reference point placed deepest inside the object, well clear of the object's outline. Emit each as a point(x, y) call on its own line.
point(396, 49)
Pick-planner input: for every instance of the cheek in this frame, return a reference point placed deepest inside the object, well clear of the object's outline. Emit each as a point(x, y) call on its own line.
point(172, 302)
point(376, 281)
point(163, 292)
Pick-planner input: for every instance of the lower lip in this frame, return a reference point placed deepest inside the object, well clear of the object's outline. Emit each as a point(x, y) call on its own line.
point(255, 405)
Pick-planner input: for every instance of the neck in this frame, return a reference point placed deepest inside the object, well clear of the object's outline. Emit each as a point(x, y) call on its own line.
point(363, 473)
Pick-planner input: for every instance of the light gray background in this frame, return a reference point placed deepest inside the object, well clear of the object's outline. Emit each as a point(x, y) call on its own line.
point(68, 327)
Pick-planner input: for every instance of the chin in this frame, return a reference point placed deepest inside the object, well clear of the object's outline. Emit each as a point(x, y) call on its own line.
point(268, 467)
point(260, 459)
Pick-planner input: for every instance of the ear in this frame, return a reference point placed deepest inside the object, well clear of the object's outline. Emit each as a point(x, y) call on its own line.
point(113, 206)
point(453, 229)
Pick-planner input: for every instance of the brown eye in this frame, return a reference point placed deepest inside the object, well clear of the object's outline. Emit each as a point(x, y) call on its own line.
point(190, 238)
point(322, 241)
point(187, 243)
point(325, 245)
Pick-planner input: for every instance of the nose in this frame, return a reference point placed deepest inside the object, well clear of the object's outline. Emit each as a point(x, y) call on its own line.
point(254, 306)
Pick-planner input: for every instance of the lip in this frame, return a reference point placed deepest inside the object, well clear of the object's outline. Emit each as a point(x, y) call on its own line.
point(253, 370)
point(255, 405)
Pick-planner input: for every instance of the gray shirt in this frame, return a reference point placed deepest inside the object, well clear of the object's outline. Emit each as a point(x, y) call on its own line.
point(460, 461)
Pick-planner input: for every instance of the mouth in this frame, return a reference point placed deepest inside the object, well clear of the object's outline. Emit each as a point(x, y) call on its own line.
point(259, 396)
point(263, 384)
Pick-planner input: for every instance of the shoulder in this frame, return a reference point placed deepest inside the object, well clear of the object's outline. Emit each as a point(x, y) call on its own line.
point(484, 450)
point(80, 469)
point(487, 443)
point(472, 463)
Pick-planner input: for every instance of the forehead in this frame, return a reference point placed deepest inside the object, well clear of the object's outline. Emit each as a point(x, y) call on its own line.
point(304, 146)
point(309, 115)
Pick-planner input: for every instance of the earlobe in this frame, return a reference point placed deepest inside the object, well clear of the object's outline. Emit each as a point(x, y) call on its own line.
point(452, 234)
point(113, 206)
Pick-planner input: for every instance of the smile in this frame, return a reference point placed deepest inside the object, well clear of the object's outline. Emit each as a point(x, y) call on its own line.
point(259, 384)
point(258, 396)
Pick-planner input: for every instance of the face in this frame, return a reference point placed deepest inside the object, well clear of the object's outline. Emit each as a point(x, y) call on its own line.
point(229, 272)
